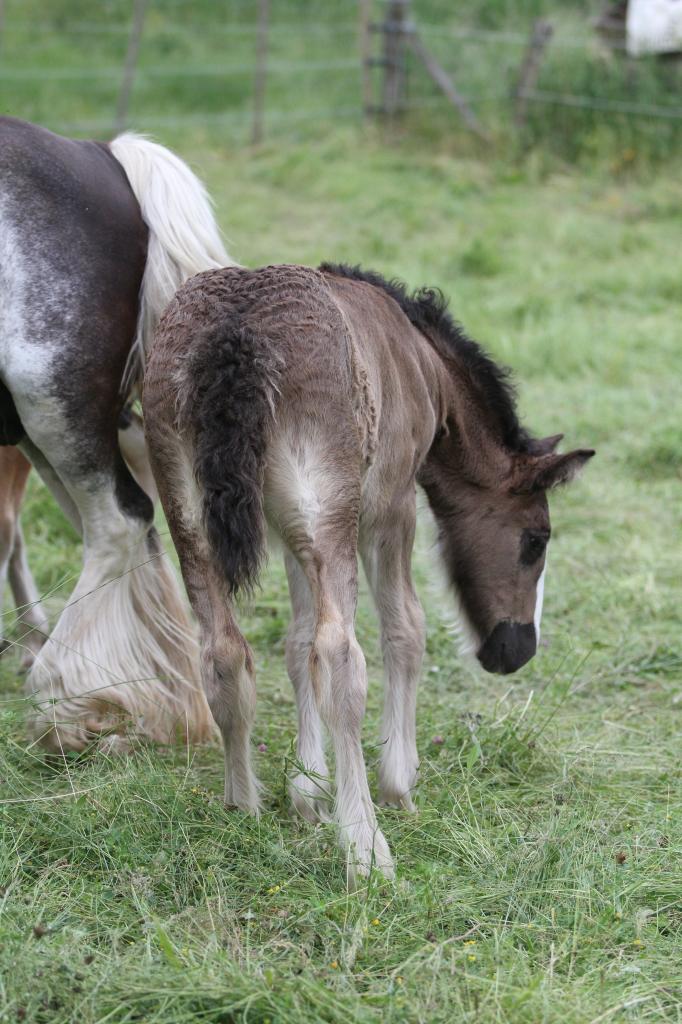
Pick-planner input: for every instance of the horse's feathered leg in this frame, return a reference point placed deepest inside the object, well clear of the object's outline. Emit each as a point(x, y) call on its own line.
point(122, 657)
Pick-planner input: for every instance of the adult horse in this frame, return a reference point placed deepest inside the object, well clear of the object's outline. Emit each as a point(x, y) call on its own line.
point(31, 617)
point(317, 401)
point(94, 240)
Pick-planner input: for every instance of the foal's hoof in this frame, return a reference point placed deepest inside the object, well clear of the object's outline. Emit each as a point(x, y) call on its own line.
point(366, 852)
point(403, 802)
point(115, 745)
point(309, 799)
point(27, 662)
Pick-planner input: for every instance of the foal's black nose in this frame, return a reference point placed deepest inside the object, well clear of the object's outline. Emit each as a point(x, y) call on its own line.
point(509, 646)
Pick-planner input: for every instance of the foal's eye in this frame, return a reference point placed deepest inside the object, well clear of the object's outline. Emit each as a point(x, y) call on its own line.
point(533, 544)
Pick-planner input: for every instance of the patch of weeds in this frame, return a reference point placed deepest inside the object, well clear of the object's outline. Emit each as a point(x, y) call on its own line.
point(480, 259)
point(663, 661)
point(661, 458)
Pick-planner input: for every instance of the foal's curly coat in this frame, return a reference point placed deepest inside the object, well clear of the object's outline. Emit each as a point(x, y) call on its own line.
point(316, 400)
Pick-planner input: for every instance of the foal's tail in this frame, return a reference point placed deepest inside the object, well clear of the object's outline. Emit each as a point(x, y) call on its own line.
point(183, 234)
point(233, 379)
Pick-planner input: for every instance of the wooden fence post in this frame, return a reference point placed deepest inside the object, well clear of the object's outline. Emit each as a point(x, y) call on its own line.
point(130, 68)
point(261, 71)
point(365, 42)
point(530, 68)
point(446, 85)
point(400, 35)
point(394, 27)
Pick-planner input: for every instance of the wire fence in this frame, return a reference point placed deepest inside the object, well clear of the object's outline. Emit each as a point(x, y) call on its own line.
point(90, 76)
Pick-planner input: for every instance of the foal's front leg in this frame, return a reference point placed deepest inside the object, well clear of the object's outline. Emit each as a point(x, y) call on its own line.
point(387, 557)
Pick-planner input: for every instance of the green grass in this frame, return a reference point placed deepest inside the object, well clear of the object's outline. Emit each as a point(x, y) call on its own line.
point(61, 64)
point(540, 880)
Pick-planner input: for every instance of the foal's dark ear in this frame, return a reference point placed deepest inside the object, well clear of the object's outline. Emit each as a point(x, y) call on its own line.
point(553, 470)
point(544, 445)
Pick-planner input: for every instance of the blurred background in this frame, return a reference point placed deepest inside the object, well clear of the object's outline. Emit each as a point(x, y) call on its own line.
point(579, 78)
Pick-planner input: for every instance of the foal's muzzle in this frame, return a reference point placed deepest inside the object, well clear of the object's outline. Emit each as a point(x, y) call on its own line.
point(509, 646)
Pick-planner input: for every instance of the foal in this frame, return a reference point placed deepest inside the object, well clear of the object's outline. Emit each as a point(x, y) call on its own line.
point(316, 400)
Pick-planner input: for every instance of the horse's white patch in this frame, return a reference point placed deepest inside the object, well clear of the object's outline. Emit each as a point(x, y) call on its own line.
point(35, 304)
point(539, 598)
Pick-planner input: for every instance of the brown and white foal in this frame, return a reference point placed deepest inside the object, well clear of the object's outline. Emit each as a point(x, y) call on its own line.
point(315, 401)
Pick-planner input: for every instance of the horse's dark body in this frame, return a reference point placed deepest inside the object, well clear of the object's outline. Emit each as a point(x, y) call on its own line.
point(75, 251)
point(72, 206)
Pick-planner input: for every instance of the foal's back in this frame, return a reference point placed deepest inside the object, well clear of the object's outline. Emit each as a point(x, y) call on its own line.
point(249, 384)
point(336, 358)
point(287, 310)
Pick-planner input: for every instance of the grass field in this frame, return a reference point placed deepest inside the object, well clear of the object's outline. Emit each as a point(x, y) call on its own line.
point(540, 880)
point(61, 64)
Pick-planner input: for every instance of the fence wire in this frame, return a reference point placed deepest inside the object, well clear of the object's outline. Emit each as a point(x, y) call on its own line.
point(343, 35)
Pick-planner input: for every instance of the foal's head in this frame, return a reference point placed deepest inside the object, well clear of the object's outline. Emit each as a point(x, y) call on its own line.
point(494, 528)
point(487, 481)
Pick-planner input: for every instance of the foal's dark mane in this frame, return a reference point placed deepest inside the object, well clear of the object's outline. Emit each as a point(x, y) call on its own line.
point(427, 309)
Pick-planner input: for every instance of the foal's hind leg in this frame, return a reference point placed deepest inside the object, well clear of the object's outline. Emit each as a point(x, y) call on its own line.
point(229, 679)
point(227, 669)
point(339, 678)
point(387, 554)
point(308, 792)
point(324, 544)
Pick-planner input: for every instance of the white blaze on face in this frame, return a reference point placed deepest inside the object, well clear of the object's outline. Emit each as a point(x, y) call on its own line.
point(539, 598)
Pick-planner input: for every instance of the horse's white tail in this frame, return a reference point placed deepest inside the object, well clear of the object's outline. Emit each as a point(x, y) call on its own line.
point(183, 234)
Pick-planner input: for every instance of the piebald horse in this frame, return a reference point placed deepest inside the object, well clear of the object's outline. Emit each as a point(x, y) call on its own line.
point(94, 240)
point(32, 619)
point(315, 401)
